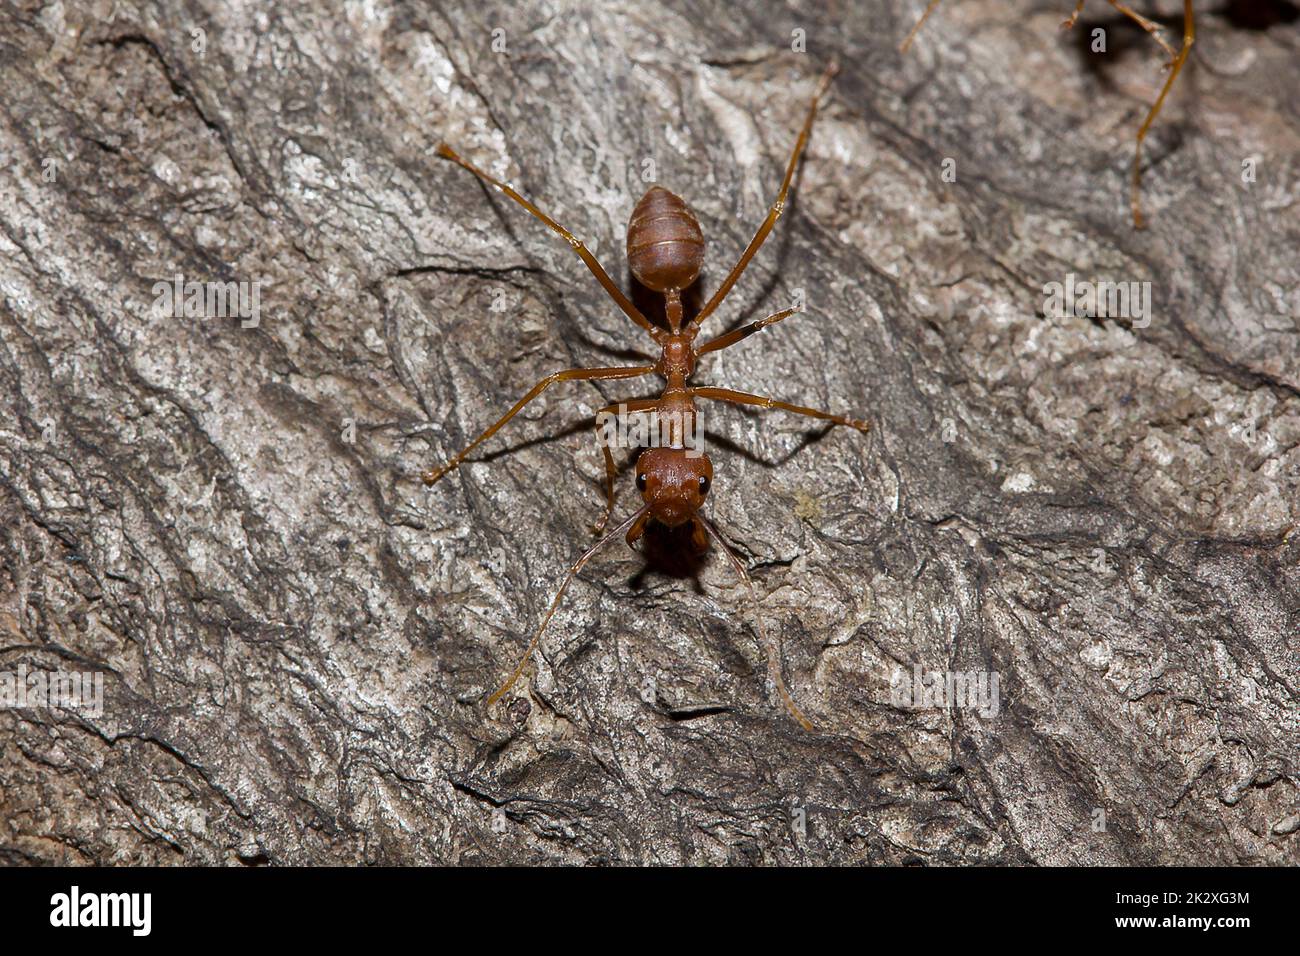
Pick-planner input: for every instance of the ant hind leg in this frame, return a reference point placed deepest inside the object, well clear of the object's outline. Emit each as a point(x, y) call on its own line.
point(614, 292)
point(774, 213)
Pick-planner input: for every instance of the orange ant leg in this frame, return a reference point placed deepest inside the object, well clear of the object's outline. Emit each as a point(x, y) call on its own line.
point(1151, 27)
point(1189, 37)
point(1074, 17)
point(902, 47)
point(611, 472)
point(555, 603)
point(632, 371)
point(774, 213)
point(597, 270)
point(744, 398)
point(1175, 66)
point(1148, 25)
point(745, 331)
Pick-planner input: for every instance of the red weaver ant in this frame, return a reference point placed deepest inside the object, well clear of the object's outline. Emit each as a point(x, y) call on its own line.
point(665, 250)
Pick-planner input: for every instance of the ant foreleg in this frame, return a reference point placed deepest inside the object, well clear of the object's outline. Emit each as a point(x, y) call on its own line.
point(744, 398)
point(611, 471)
point(597, 270)
point(632, 371)
point(777, 207)
point(728, 339)
point(555, 603)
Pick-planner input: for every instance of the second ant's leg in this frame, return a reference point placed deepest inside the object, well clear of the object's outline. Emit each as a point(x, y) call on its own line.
point(728, 339)
point(1148, 25)
point(777, 207)
point(1189, 37)
point(569, 375)
point(902, 47)
point(1074, 17)
point(1174, 66)
point(744, 398)
point(597, 270)
point(611, 472)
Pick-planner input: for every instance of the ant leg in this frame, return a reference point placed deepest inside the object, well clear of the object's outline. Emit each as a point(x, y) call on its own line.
point(1074, 17)
point(729, 339)
point(639, 405)
point(1189, 37)
point(1150, 26)
point(602, 277)
point(555, 603)
point(902, 47)
point(1174, 66)
point(569, 375)
point(744, 398)
point(777, 207)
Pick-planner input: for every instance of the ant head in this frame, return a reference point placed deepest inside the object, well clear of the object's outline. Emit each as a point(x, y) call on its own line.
point(673, 483)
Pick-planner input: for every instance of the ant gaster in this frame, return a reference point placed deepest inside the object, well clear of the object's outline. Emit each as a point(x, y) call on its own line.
point(665, 251)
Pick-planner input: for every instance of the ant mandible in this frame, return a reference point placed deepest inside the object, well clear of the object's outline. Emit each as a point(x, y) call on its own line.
point(665, 251)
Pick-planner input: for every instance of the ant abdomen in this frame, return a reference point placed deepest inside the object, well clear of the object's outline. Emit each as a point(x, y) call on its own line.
point(665, 247)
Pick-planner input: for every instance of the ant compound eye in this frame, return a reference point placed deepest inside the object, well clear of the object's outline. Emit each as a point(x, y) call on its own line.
point(704, 485)
point(640, 482)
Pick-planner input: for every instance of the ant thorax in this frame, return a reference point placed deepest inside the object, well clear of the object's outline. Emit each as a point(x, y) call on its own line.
point(677, 361)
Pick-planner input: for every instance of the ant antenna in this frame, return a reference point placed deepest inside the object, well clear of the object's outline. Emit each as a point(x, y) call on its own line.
point(577, 566)
point(773, 660)
point(902, 47)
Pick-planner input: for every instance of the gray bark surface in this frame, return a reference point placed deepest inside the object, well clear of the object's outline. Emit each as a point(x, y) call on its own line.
point(297, 637)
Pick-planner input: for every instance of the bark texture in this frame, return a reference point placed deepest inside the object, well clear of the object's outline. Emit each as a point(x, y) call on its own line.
point(297, 637)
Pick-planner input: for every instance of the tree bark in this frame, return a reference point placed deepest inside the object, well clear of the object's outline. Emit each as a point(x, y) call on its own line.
point(223, 516)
